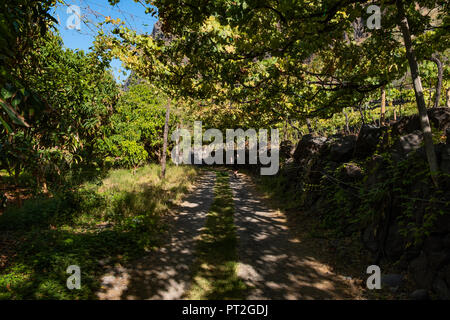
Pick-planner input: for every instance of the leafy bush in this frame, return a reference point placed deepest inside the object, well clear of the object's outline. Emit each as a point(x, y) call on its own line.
point(136, 130)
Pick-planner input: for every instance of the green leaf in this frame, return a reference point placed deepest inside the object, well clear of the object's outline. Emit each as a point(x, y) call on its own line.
point(6, 125)
point(15, 117)
point(6, 94)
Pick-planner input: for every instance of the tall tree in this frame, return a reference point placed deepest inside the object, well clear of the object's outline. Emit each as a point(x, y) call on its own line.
point(256, 52)
point(418, 90)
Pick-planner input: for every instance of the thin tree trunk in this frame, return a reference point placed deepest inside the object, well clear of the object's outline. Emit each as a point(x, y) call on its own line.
point(438, 62)
point(431, 95)
point(361, 112)
point(166, 133)
point(285, 130)
point(299, 132)
point(418, 90)
point(308, 124)
point(177, 148)
point(316, 124)
point(383, 107)
point(16, 183)
point(448, 98)
point(16, 175)
point(346, 123)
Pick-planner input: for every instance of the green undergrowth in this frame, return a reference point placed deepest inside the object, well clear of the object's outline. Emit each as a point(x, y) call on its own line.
point(339, 209)
point(101, 223)
point(215, 275)
point(344, 205)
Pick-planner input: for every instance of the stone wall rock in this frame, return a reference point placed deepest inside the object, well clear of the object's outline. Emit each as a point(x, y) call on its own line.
point(427, 262)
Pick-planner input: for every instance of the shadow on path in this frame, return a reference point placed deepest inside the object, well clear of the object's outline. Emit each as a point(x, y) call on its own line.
point(273, 263)
point(165, 274)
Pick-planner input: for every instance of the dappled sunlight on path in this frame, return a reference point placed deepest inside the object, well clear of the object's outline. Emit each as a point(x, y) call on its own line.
point(273, 263)
point(165, 274)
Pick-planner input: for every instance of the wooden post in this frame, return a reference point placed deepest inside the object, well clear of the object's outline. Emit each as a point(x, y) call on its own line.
point(383, 107)
point(418, 90)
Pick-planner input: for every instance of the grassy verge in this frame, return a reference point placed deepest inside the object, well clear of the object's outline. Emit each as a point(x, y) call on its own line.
point(104, 222)
point(215, 274)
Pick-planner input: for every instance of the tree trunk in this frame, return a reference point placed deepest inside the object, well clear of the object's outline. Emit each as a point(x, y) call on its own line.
point(448, 98)
point(308, 124)
point(347, 130)
point(177, 147)
point(16, 175)
point(361, 112)
point(383, 107)
point(431, 96)
point(166, 133)
point(438, 62)
point(418, 90)
point(299, 132)
point(285, 130)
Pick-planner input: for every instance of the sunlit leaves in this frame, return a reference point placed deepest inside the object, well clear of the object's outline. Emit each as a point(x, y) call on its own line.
point(272, 59)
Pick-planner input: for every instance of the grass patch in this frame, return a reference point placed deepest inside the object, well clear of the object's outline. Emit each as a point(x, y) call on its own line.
point(103, 222)
point(215, 275)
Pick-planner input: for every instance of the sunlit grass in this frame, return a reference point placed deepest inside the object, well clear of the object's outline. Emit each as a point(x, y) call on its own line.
point(215, 274)
point(142, 192)
point(117, 218)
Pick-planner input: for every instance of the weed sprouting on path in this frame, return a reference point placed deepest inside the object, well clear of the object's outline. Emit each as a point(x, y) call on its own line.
point(215, 272)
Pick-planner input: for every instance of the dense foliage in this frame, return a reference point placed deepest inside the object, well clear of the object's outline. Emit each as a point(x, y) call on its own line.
point(79, 93)
point(304, 66)
point(134, 135)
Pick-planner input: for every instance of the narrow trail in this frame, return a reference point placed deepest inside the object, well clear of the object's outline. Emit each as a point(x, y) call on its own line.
point(165, 274)
point(272, 262)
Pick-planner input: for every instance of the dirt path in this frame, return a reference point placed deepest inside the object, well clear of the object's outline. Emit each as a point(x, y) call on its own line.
point(272, 262)
point(165, 274)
